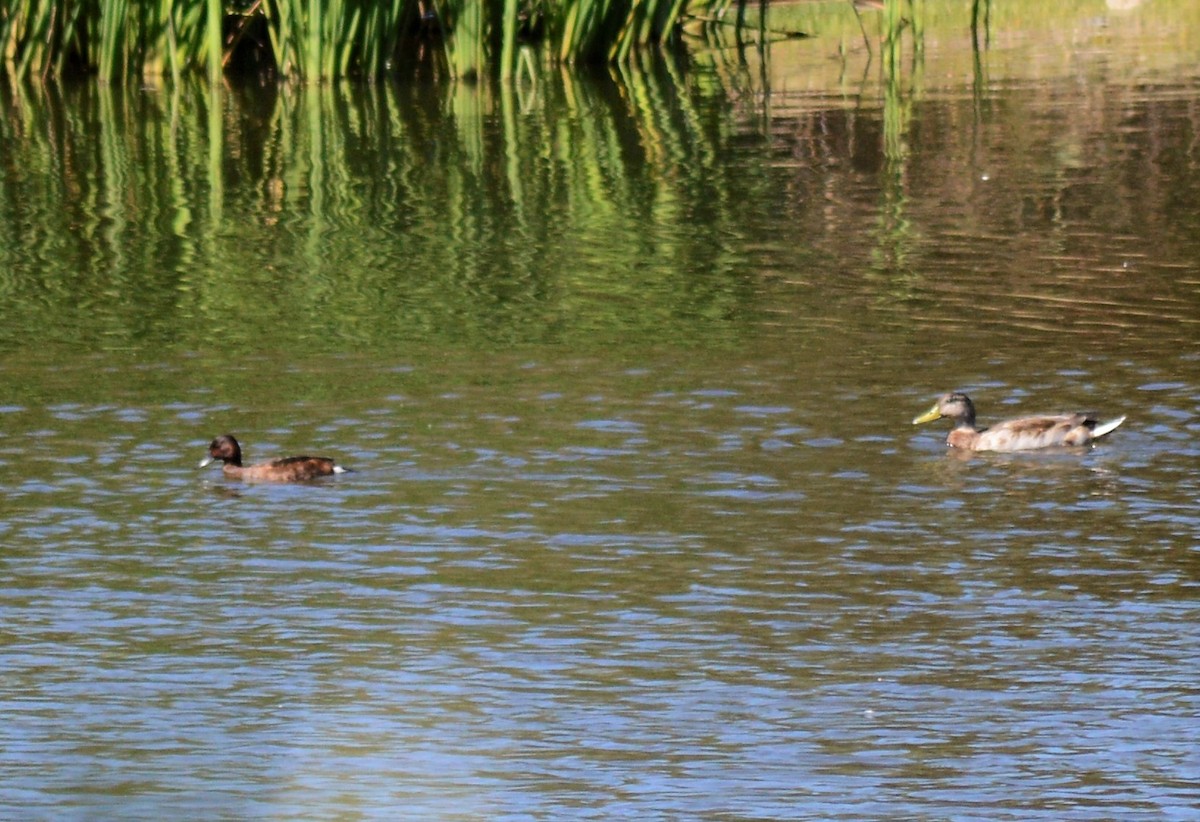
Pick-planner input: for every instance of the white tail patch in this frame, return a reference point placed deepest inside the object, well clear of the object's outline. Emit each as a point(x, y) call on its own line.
point(1106, 427)
point(337, 469)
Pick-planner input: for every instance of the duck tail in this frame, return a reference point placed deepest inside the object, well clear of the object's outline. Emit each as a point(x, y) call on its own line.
point(1106, 428)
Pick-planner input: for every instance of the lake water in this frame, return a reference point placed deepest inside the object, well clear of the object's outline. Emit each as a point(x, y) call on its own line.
point(625, 368)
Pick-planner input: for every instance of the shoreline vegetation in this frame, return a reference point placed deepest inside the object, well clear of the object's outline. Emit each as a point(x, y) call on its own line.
point(313, 41)
point(317, 40)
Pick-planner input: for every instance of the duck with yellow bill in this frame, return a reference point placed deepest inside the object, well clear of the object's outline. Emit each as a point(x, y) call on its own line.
point(1022, 434)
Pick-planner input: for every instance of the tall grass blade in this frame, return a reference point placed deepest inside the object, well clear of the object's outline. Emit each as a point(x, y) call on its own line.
point(508, 50)
point(318, 39)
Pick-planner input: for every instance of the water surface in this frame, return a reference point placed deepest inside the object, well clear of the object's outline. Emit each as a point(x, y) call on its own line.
point(639, 525)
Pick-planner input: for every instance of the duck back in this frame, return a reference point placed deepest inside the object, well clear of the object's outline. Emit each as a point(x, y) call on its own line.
point(288, 469)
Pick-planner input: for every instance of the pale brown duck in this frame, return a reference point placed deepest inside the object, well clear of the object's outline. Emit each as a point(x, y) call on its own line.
point(1023, 434)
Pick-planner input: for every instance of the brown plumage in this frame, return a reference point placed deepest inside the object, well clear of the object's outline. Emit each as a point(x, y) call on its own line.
point(1021, 434)
point(289, 469)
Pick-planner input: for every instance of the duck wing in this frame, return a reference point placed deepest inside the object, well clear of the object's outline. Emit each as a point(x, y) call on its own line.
point(291, 469)
point(1047, 431)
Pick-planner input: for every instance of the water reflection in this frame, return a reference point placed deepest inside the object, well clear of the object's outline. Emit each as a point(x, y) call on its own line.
point(364, 218)
point(626, 368)
point(570, 584)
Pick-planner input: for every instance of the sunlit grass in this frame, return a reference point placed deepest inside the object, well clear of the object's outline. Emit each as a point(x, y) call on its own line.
point(320, 39)
point(317, 40)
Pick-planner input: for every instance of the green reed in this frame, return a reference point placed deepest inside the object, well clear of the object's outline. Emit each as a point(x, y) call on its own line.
point(321, 39)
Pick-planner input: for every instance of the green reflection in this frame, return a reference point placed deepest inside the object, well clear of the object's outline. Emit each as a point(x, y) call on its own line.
point(703, 201)
point(368, 214)
point(902, 84)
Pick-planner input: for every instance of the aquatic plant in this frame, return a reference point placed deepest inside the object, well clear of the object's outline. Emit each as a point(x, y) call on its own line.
point(321, 39)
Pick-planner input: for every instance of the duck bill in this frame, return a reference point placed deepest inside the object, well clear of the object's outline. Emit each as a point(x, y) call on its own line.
point(929, 416)
point(204, 463)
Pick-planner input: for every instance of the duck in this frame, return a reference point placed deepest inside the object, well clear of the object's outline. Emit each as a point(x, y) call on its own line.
point(288, 469)
point(1023, 434)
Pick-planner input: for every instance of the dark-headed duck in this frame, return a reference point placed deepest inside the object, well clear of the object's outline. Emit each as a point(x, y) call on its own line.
point(289, 469)
point(1022, 434)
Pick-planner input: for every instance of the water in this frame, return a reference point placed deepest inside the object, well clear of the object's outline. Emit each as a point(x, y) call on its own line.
point(639, 525)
